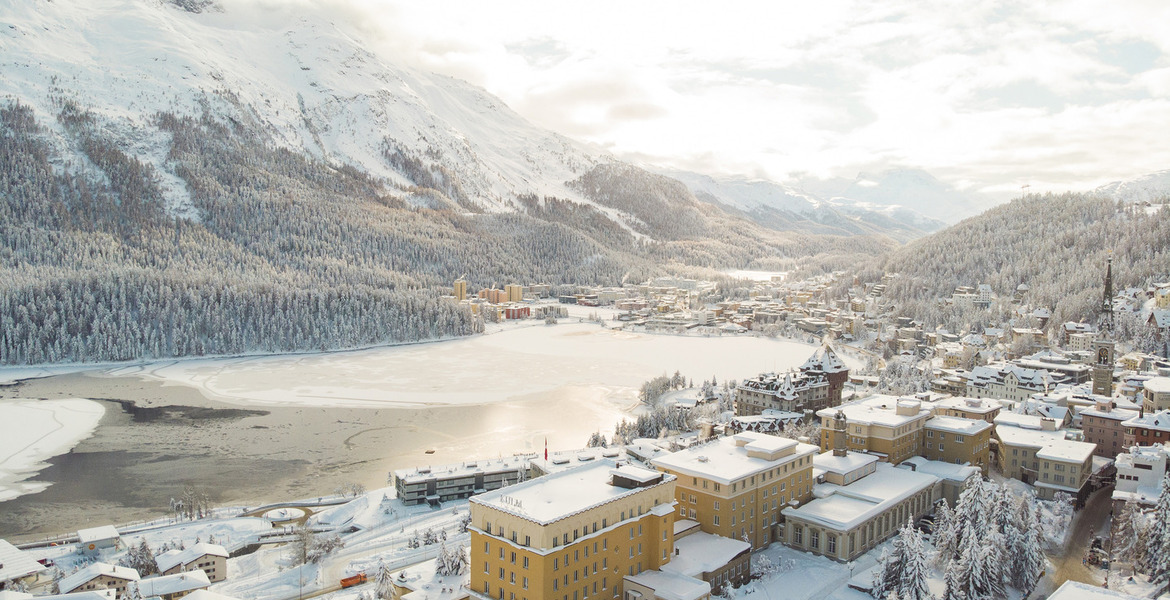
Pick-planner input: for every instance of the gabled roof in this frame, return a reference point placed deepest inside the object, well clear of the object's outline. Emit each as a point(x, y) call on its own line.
point(1159, 421)
point(76, 580)
point(173, 584)
point(15, 563)
point(167, 560)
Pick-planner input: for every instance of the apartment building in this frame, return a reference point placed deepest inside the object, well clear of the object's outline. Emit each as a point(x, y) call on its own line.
point(985, 409)
point(886, 426)
point(735, 486)
point(571, 535)
point(1147, 429)
point(1033, 450)
point(1102, 425)
point(1157, 394)
point(958, 441)
point(1010, 382)
point(456, 481)
point(99, 576)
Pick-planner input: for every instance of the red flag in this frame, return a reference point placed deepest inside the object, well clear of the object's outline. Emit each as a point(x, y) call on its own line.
point(546, 447)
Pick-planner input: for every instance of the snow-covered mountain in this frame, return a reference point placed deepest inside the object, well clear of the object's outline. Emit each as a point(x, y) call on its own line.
point(1152, 187)
point(306, 81)
point(785, 207)
point(913, 190)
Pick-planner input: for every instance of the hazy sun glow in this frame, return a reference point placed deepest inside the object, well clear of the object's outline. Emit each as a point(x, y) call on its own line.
point(987, 95)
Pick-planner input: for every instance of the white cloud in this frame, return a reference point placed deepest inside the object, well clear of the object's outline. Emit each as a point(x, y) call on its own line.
point(986, 94)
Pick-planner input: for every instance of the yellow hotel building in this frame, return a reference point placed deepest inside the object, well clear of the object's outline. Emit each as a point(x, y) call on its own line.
point(571, 535)
point(736, 486)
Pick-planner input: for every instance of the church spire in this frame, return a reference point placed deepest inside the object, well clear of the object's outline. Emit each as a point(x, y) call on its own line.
point(1106, 321)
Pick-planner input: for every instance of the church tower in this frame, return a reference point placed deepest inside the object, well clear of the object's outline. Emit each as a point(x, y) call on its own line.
point(1103, 360)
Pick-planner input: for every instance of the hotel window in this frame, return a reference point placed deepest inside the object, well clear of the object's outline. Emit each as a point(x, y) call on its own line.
point(940, 446)
point(525, 562)
point(814, 538)
point(501, 572)
point(485, 567)
point(798, 535)
point(716, 520)
point(513, 558)
point(831, 543)
point(525, 584)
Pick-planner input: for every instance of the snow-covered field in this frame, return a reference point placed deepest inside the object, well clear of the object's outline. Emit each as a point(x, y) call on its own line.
point(485, 369)
point(33, 431)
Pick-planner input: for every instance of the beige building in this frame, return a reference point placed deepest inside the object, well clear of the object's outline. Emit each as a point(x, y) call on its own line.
point(574, 534)
point(17, 566)
point(515, 292)
point(735, 486)
point(99, 576)
point(1157, 394)
point(958, 441)
point(460, 290)
point(845, 521)
point(984, 409)
point(1034, 451)
point(718, 560)
point(209, 558)
point(817, 385)
point(886, 426)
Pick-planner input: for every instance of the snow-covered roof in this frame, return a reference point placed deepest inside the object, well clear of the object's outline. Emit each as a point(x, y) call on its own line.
point(555, 496)
point(97, 534)
point(1159, 421)
point(700, 553)
point(639, 474)
point(1075, 590)
point(171, 558)
point(1022, 421)
point(14, 595)
point(958, 425)
point(1067, 451)
point(15, 563)
point(173, 584)
point(505, 464)
point(97, 569)
point(724, 461)
point(844, 507)
point(940, 469)
point(207, 595)
point(106, 594)
point(672, 586)
point(842, 464)
point(878, 409)
point(1158, 385)
point(975, 405)
point(1116, 414)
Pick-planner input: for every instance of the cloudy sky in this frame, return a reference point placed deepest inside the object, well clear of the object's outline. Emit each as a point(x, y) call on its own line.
point(985, 95)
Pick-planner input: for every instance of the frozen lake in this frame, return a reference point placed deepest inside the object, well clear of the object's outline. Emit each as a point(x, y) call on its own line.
point(485, 369)
point(255, 429)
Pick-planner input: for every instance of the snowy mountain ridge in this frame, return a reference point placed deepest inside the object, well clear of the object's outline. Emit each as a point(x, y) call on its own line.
point(1152, 187)
point(309, 84)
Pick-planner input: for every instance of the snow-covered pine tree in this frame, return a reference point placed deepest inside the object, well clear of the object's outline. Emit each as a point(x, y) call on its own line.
point(442, 561)
point(1026, 548)
point(993, 554)
point(888, 574)
point(1158, 542)
point(384, 581)
point(952, 581)
point(946, 533)
point(1130, 536)
point(915, 570)
point(460, 563)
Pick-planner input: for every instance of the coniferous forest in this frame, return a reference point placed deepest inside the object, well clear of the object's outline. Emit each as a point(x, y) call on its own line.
point(282, 252)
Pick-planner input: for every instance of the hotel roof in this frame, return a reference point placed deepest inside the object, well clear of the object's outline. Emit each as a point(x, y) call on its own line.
point(553, 497)
point(958, 425)
point(724, 461)
point(878, 409)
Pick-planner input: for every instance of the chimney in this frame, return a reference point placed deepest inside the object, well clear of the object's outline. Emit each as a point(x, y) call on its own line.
point(1047, 424)
point(839, 447)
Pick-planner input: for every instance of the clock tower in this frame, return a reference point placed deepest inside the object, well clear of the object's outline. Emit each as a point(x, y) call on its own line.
point(1103, 347)
point(1103, 367)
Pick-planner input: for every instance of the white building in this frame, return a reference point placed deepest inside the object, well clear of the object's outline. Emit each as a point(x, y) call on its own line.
point(1139, 474)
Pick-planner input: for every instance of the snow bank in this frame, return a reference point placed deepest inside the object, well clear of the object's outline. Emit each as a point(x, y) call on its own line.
point(33, 431)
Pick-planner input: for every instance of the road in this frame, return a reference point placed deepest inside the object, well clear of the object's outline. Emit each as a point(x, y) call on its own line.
point(1091, 521)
